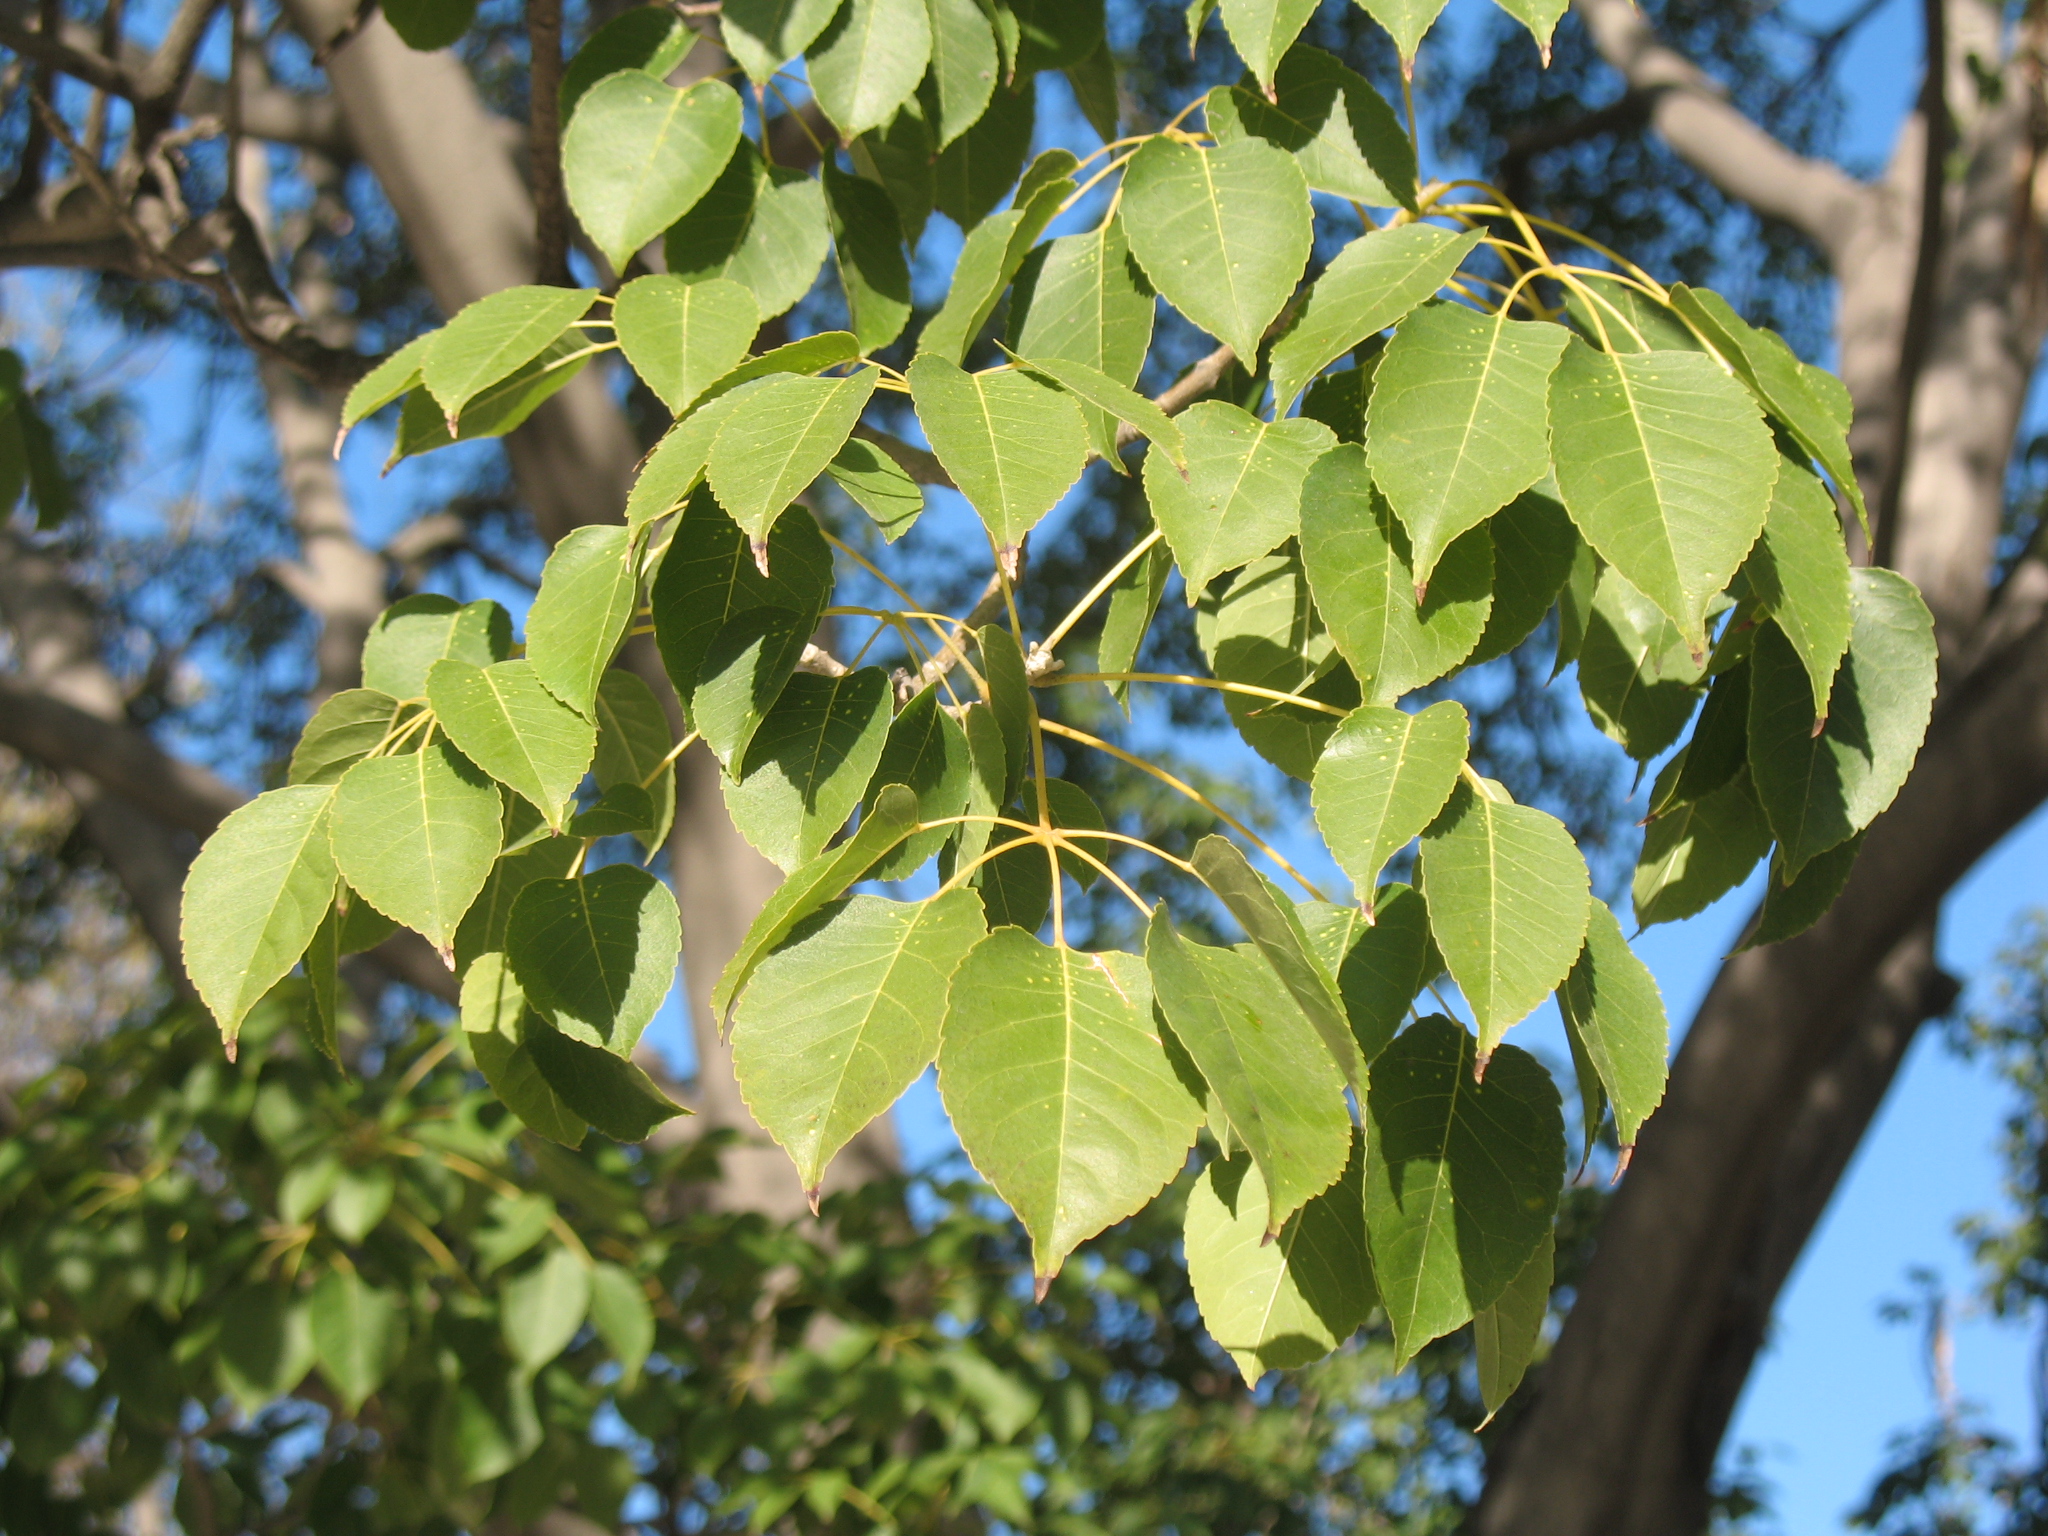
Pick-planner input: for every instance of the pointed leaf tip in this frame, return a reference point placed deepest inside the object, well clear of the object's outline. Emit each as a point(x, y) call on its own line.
point(760, 549)
point(1040, 1284)
point(811, 1195)
point(1621, 1163)
point(1479, 1067)
point(229, 1047)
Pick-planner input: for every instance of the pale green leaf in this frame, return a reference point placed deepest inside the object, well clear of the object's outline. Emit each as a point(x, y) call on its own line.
point(343, 731)
point(744, 672)
point(647, 39)
point(1380, 955)
point(1635, 673)
point(1622, 318)
point(1132, 603)
point(809, 763)
point(1357, 557)
point(764, 35)
point(680, 336)
point(1698, 851)
point(492, 1001)
point(637, 155)
point(1346, 138)
point(813, 354)
point(1060, 1087)
point(867, 60)
point(675, 467)
point(383, 384)
point(1611, 1000)
point(1013, 446)
point(483, 925)
point(1505, 1335)
point(1406, 22)
point(1820, 790)
point(1666, 465)
point(844, 1015)
point(1375, 280)
point(596, 953)
point(508, 1066)
point(1239, 496)
point(611, 1093)
point(1272, 1304)
point(1540, 17)
point(254, 897)
point(540, 1309)
point(1009, 700)
point(964, 65)
point(1083, 297)
point(415, 632)
point(874, 274)
point(497, 408)
point(1099, 394)
point(1507, 904)
point(1382, 778)
point(416, 835)
point(504, 721)
point(495, 336)
point(1223, 233)
point(1263, 30)
point(580, 614)
point(1799, 571)
point(992, 254)
point(1461, 1177)
point(879, 486)
point(1459, 422)
point(361, 1199)
point(620, 1313)
point(358, 1334)
point(927, 751)
point(761, 225)
point(1270, 1072)
point(767, 455)
point(1264, 632)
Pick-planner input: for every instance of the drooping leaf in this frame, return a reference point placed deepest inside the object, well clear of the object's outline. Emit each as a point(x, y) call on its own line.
point(987, 767)
point(1379, 965)
point(1132, 603)
point(1070, 810)
point(1382, 778)
point(1357, 558)
point(323, 982)
point(257, 892)
point(497, 408)
point(1270, 1072)
point(1346, 138)
point(879, 486)
point(1799, 571)
point(416, 835)
point(1223, 233)
point(1459, 422)
point(990, 257)
point(1263, 30)
point(1083, 297)
point(1264, 632)
point(383, 384)
point(1060, 1088)
point(358, 1334)
point(1240, 496)
point(1284, 1302)
point(1505, 1335)
point(964, 65)
point(1818, 791)
point(615, 1096)
point(540, 1309)
point(1719, 748)
point(1575, 606)
point(581, 611)
point(1012, 445)
point(764, 35)
point(927, 751)
point(504, 721)
point(868, 60)
point(1374, 281)
point(761, 225)
point(1461, 1178)
point(1665, 464)
point(1635, 673)
point(809, 763)
point(1534, 545)
point(637, 155)
point(1094, 83)
point(508, 1066)
point(596, 953)
point(495, 336)
point(972, 175)
point(844, 1015)
point(680, 336)
point(765, 456)
point(1791, 906)
point(1506, 888)
point(267, 1354)
point(1612, 1002)
point(492, 1001)
point(415, 632)
point(873, 271)
point(649, 40)
point(343, 731)
point(1698, 851)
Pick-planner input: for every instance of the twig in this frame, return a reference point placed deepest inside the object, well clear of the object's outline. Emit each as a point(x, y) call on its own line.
point(544, 140)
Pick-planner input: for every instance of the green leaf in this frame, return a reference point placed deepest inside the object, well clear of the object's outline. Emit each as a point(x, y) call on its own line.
point(1239, 496)
point(504, 721)
point(1382, 778)
point(1094, 84)
point(1269, 1070)
point(1013, 446)
point(675, 469)
point(492, 1000)
point(708, 576)
point(1223, 233)
point(358, 1334)
point(1461, 1177)
point(1375, 280)
point(1060, 1087)
point(426, 26)
point(744, 672)
point(493, 338)
point(1272, 1304)
point(342, 732)
point(1263, 30)
point(765, 456)
point(1009, 700)
point(632, 740)
point(1069, 809)
point(416, 836)
point(596, 954)
point(649, 40)
point(1799, 571)
point(764, 35)
point(814, 354)
point(1534, 545)
point(761, 225)
point(1132, 603)
point(991, 255)
point(415, 632)
point(873, 271)
point(1505, 1335)
point(1719, 748)
point(508, 1066)
point(323, 982)
point(1791, 907)
point(964, 65)
point(580, 614)
point(1084, 298)
point(972, 176)
point(497, 408)
point(1380, 961)
point(1101, 395)
point(622, 808)
point(879, 486)
point(540, 1309)
point(1346, 138)
point(927, 751)
point(682, 336)
point(987, 766)
point(1697, 852)
point(889, 819)
point(1458, 425)
point(1264, 631)
point(1575, 607)
point(623, 1319)
point(254, 897)
point(1273, 924)
point(1820, 790)
point(1540, 17)
point(1506, 889)
point(844, 1015)
point(269, 1350)
point(637, 156)
point(868, 60)
point(1406, 21)
point(1625, 318)
point(1611, 1001)
point(1052, 34)
point(1666, 465)
point(1635, 673)
point(483, 925)
point(361, 1199)
point(383, 384)
point(615, 1096)
point(809, 763)
point(1357, 557)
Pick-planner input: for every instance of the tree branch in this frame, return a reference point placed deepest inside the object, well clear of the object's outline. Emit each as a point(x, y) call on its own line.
point(550, 200)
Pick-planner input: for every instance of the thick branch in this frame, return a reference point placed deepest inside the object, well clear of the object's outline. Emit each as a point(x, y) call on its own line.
point(102, 74)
